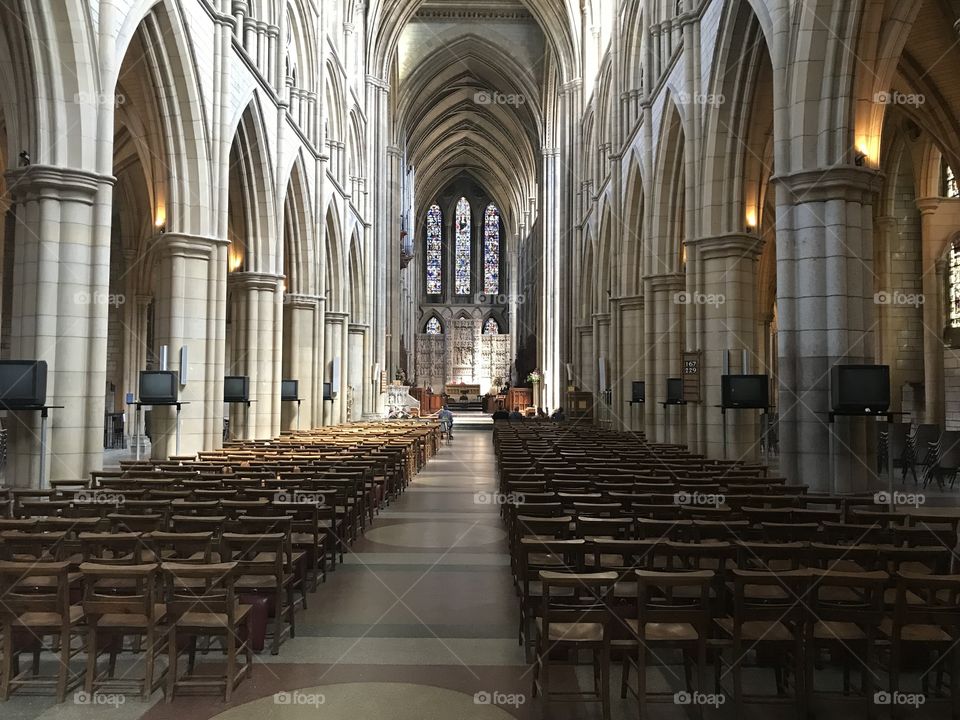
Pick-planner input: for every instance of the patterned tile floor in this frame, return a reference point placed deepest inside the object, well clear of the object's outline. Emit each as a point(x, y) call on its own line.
point(419, 624)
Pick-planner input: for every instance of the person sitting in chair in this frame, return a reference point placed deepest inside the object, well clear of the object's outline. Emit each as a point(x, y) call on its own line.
point(446, 421)
point(558, 415)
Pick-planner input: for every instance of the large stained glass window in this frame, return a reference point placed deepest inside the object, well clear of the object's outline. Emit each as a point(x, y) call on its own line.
point(491, 327)
point(462, 253)
point(951, 190)
point(434, 251)
point(491, 250)
point(434, 327)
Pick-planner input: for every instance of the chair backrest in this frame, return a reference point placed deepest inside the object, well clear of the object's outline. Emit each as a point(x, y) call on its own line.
point(658, 603)
point(22, 593)
point(200, 588)
point(139, 595)
point(852, 597)
point(37, 546)
point(752, 603)
point(576, 597)
point(938, 604)
point(258, 553)
point(112, 548)
point(181, 547)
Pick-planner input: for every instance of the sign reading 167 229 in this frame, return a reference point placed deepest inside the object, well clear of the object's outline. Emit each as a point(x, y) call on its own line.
point(691, 376)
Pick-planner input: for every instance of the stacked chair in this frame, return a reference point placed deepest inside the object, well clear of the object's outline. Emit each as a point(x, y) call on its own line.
point(155, 564)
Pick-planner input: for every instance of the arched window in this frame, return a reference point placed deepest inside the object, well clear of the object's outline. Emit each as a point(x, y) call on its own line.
point(491, 250)
point(491, 327)
point(950, 189)
point(434, 251)
point(462, 252)
point(434, 327)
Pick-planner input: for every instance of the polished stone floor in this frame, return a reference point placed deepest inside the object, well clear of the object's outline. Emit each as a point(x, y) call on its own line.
point(419, 624)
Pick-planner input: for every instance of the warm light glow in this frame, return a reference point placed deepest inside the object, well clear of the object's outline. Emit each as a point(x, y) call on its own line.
point(161, 217)
point(752, 219)
point(683, 255)
point(234, 258)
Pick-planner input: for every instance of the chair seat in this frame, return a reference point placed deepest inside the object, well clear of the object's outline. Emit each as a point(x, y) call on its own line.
point(116, 621)
point(758, 630)
point(890, 597)
point(210, 620)
point(305, 539)
point(915, 633)
point(573, 632)
point(665, 632)
point(832, 630)
point(47, 620)
point(249, 582)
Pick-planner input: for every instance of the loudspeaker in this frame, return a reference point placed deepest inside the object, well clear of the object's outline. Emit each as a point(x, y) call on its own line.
point(569, 372)
point(638, 391)
point(603, 374)
point(184, 365)
point(335, 374)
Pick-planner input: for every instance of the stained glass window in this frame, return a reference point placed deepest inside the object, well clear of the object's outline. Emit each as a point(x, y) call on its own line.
point(491, 250)
point(462, 266)
point(954, 299)
point(950, 183)
point(491, 327)
point(434, 327)
point(434, 251)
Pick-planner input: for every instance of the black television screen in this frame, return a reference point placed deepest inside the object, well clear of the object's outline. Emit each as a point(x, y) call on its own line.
point(860, 388)
point(23, 384)
point(327, 393)
point(745, 391)
point(236, 389)
point(288, 390)
point(639, 391)
point(674, 390)
point(158, 387)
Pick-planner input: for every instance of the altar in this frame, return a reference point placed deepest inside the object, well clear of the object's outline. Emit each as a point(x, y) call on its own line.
point(463, 361)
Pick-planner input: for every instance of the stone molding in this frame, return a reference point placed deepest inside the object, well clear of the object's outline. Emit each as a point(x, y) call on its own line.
point(254, 281)
point(189, 246)
point(745, 245)
point(49, 182)
point(846, 182)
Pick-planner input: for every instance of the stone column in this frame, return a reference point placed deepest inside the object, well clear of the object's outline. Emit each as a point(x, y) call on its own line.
point(335, 335)
point(721, 303)
point(663, 326)
point(61, 282)
point(257, 310)
point(630, 352)
point(299, 349)
point(134, 358)
point(826, 316)
point(933, 315)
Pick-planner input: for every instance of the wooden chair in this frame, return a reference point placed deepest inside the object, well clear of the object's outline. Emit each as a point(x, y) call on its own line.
point(111, 617)
point(666, 620)
point(36, 601)
point(768, 617)
point(201, 602)
point(265, 567)
point(534, 555)
point(844, 611)
point(576, 618)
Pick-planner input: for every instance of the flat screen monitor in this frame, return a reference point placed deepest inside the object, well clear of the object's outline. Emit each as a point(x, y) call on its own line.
point(158, 387)
point(674, 391)
point(860, 388)
point(745, 391)
point(236, 389)
point(327, 392)
point(639, 391)
point(23, 384)
point(288, 389)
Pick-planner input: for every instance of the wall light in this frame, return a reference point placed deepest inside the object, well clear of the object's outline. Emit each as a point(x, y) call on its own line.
point(160, 220)
point(751, 220)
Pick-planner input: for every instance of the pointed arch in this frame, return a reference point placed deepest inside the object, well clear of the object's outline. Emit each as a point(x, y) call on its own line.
point(433, 325)
point(298, 252)
point(357, 308)
point(632, 245)
point(336, 299)
point(666, 248)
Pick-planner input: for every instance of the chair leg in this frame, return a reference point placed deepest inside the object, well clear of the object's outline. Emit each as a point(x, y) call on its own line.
point(605, 680)
point(278, 613)
point(624, 675)
point(148, 663)
point(8, 655)
point(642, 681)
point(231, 664)
point(91, 659)
point(171, 663)
point(63, 675)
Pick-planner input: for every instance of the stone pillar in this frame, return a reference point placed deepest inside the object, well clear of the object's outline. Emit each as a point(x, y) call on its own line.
point(135, 323)
point(61, 270)
point(721, 305)
point(299, 349)
point(335, 325)
point(662, 332)
point(934, 314)
point(826, 316)
point(630, 352)
point(257, 311)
